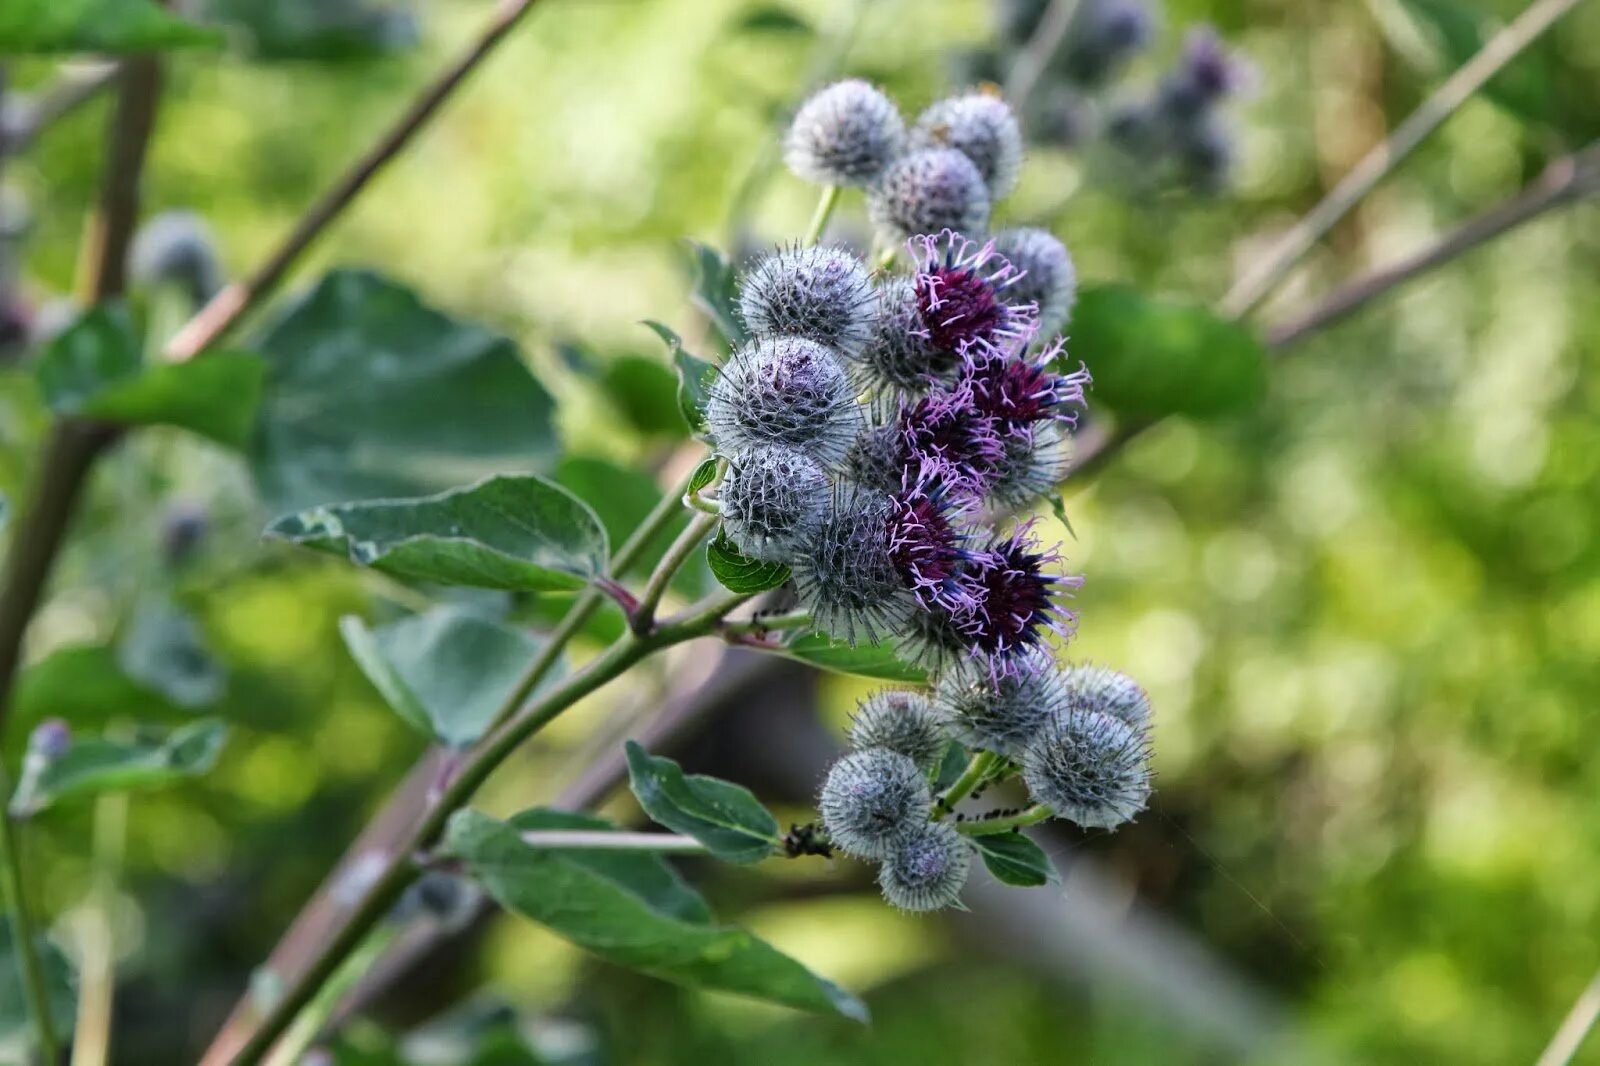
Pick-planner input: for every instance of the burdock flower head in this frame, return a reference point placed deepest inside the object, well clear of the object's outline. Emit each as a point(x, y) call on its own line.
point(929, 190)
point(1207, 73)
point(1001, 714)
point(784, 390)
point(1089, 767)
point(963, 292)
point(773, 499)
point(1034, 463)
point(1045, 274)
point(872, 800)
point(900, 360)
point(1018, 390)
point(846, 134)
point(821, 294)
point(981, 126)
point(1099, 688)
point(1104, 35)
point(902, 721)
point(945, 429)
point(927, 869)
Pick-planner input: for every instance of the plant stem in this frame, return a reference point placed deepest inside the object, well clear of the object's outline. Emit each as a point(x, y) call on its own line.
point(24, 119)
point(991, 826)
point(228, 306)
point(91, 1039)
point(1575, 1027)
point(977, 769)
point(819, 218)
point(1259, 282)
point(484, 758)
point(23, 941)
point(771, 623)
point(698, 530)
point(605, 840)
point(1048, 34)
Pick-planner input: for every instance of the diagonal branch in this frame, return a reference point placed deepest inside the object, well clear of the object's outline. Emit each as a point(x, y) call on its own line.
point(1259, 282)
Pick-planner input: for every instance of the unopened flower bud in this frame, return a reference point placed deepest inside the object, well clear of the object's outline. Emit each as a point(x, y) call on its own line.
point(927, 870)
point(928, 191)
point(903, 722)
point(773, 499)
point(1090, 768)
point(872, 800)
point(846, 134)
point(784, 390)
point(822, 294)
point(982, 127)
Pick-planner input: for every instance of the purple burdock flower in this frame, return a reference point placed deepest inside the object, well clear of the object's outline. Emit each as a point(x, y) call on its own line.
point(946, 429)
point(927, 540)
point(960, 286)
point(1206, 74)
point(1017, 391)
point(1017, 600)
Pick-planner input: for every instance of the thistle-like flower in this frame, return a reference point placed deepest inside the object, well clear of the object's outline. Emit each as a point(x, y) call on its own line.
point(1089, 767)
point(1103, 37)
point(900, 360)
point(927, 191)
point(1034, 463)
point(872, 800)
point(822, 294)
point(927, 870)
point(1207, 73)
point(927, 539)
point(846, 134)
point(773, 500)
point(902, 721)
point(784, 390)
point(1045, 278)
point(946, 430)
point(846, 575)
point(963, 294)
point(1018, 390)
point(877, 459)
point(981, 126)
point(1001, 714)
point(177, 247)
point(1099, 688)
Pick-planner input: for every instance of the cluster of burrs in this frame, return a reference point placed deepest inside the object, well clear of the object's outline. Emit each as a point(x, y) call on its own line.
point(877, 430)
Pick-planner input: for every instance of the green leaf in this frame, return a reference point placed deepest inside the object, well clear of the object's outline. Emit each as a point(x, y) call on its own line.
point(94, 370)
point(642, 390)
point(740, 573)
point(585, 902)
point(773, 20)
point(370, 394)
point(703, 475)
point(520, 533)
point(85, 685)
point(695, 376)
point(325, 30)
point(1457, 33)
point(96, 765)
point(716, 292)
point(1058, 507)
point(16, 1025)
point(863, 660)
point(446, 672)
point(95, 26)
point(165, 651)
point(725, 817)
point(1152, 358)
point(1015, 860)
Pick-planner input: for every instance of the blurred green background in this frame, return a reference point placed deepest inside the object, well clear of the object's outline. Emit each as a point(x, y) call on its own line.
point(1368, 610)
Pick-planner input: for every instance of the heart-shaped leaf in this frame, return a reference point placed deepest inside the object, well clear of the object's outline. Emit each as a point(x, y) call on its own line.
point(581, 899)
point(95, 765)
point(446, 672)
point(371, 394)
point(738, 572)
point(1015, 860)
point(725, 817)
point(516, 532)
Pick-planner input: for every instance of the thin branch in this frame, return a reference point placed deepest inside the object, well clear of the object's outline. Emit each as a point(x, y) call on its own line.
point(1259, 282)
point(983, 827)
point(1030, 64)
point(228, 306)
point(1575, 1027)
point(644, 616)
point(607, 840)
point(24, 942)
point(1566, 181)
point(105, 262)
point(25, 117)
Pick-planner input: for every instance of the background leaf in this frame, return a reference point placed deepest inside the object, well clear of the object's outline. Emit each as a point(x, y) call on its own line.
point(725, 817)
point(1153, 357)
point(165, 651)
point(695, 376)
point(739, 572)
point(446, 672)
point(642, 391)
point(517, 533)
point(371, 394)
point(1015, 859)
point(95, 26)
point(584, 903)
point(16, 1026)
point(326, 30)
point(863, 660)
point(94, 369)
point(95, 765)
point(716, 292)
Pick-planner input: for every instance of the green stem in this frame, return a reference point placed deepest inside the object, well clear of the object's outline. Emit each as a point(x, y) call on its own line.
point(990, 826)
point(819, 218)
point(399, 870)
point(644, 615)
point(771, 623)
point(29, 968)
point(886, 257)
point(977, 769)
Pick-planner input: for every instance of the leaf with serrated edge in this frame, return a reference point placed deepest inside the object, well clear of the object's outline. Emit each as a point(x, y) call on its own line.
point(725, 817)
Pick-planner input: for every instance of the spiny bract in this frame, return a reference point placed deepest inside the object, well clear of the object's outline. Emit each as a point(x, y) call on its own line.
point(846, 575)
point(773, 499)
point(822, 294)
point(928, 191)
point(872, 800)
point(982, 127)
point(784, 390)
point(1001, 714)
point(1047, 276)
point(899, 359)
point(845, 134)
point(1090, 768)
point(927, 870)
point(901, 721)
point(1100, 688)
